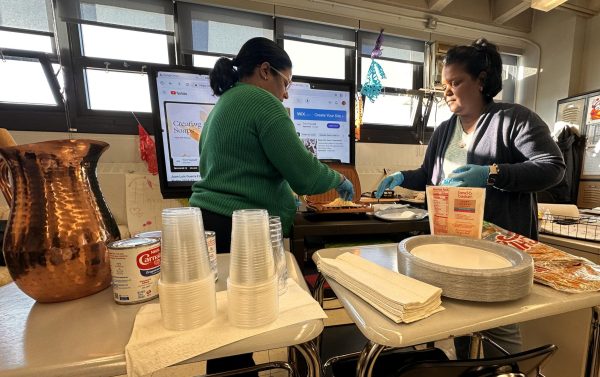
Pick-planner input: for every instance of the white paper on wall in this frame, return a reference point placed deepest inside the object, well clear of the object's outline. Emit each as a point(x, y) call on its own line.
point(144, 203)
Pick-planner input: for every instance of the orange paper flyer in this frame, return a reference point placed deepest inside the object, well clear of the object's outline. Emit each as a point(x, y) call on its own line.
point(456, 211)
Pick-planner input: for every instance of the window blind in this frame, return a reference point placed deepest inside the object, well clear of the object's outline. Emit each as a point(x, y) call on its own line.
point(397, 48)
point(313, 32)
point(145, 15)
point(206, 29)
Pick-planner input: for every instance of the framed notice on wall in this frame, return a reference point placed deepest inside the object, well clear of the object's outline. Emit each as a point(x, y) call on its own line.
point(591, 157)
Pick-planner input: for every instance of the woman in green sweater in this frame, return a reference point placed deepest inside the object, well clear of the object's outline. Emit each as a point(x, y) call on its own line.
point(250, 153)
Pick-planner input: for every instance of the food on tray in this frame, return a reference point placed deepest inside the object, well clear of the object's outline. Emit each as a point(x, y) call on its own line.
point(341, 203)
point(555, 268)
point(414, 196)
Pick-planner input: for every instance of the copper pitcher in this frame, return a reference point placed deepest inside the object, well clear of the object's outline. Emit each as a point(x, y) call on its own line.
point(59, 224)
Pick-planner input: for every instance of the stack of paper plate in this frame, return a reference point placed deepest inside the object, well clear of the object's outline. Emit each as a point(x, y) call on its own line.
point(467, 269)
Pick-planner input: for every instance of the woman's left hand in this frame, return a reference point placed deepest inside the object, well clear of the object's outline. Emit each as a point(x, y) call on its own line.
point(468, 176)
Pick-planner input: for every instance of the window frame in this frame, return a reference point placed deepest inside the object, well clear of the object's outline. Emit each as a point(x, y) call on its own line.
point(350, 53)
point(90, 120)
point(67, 51)
point(383, 133)
point(28, 116)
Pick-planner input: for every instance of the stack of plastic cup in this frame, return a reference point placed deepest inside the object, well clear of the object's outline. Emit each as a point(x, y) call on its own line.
point(278, 252)
point(186, 287)
point(252, 290)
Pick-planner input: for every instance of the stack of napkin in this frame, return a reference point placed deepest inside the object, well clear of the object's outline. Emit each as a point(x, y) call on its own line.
point(152, 347)
point(398, 297)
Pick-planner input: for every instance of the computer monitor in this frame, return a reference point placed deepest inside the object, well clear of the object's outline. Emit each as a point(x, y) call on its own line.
point(322, 112)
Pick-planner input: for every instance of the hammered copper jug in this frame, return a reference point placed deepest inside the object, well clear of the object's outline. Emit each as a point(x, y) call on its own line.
point(59, 225)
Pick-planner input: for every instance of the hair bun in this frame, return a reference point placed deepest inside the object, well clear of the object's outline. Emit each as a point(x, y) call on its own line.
point(480, 45)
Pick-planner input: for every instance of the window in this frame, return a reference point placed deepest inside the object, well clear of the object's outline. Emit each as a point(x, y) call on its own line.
point(395, 115)
point(120, 44)
point(331, 61)
point(25, 82)
point(106, 46)
point(318, 50)
point(439, 110)
point(115, 90)
point(207, 33)
point(26, 42)
point(114, 43)
point(509, 78)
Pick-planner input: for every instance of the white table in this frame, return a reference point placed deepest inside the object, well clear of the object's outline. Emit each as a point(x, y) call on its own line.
point(87, 337)
point(459, 318)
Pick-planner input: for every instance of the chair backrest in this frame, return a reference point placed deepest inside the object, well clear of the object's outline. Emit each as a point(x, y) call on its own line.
point(528, 363)
point(433, 363)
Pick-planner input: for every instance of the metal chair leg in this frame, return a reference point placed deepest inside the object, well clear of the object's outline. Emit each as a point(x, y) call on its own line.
point(367, 358)
point(256, 368)
point(592, 366)
point(309, 351)
point(475, 347)
point(319, 295)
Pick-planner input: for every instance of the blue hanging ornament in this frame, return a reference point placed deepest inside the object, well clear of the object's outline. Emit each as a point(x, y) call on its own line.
point(372, 88)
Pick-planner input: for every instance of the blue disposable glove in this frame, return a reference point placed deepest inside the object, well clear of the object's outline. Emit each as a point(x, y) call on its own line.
point(297, 200)
point(345, 189)
point(389, 182)
point(468, 176)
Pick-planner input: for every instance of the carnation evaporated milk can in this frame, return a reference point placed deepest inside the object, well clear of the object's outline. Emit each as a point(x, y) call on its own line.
point(135, 269)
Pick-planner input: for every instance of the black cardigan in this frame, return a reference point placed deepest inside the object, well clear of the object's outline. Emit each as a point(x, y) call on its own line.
point(519, 142)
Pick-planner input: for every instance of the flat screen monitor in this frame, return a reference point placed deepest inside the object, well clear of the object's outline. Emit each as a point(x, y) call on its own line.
point(322, 112)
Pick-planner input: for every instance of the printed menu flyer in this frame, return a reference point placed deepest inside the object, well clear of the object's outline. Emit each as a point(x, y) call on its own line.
point(456, 211)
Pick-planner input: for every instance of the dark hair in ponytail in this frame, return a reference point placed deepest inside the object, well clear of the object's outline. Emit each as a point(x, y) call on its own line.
point(254, 52)
point(480, 56)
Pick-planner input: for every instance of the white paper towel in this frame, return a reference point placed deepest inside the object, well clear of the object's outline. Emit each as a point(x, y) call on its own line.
point(152, 347)
point(569, 210)
point(399, 297)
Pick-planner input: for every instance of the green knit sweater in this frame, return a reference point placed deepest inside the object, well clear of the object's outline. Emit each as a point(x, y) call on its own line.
point(252, 157)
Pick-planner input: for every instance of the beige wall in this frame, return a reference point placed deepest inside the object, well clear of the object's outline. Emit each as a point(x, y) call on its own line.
point(559, 36)
point(590, 68)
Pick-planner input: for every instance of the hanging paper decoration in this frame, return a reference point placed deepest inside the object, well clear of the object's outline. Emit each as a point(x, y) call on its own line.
point(148, 150)
point(372, 88)
point(358, 111)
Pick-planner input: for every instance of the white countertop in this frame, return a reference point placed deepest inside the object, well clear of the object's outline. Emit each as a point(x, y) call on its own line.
point(459, 318)
point(87, 337)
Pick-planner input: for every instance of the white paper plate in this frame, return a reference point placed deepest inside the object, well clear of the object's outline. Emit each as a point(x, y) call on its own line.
point(453, 255)
point(456, 271)
point(401, 214)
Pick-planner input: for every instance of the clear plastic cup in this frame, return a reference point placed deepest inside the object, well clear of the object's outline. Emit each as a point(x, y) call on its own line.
point(184, 253)
point(276, 234)
point(188, 305)
point(252, 305)
point(251, 260)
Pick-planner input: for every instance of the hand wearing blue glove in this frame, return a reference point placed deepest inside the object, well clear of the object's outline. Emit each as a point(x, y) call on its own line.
point(345, 189)
point(389, 182)
point(468, 176)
